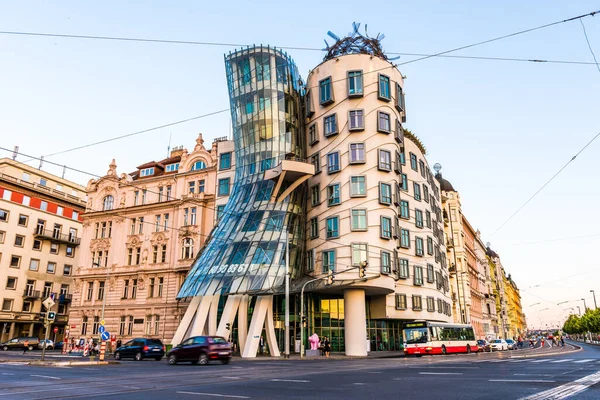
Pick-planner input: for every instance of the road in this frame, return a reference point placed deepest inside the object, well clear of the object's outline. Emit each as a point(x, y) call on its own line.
point(523, 374)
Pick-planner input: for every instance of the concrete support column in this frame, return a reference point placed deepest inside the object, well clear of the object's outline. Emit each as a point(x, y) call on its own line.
point(11, 332)
point(355, 322)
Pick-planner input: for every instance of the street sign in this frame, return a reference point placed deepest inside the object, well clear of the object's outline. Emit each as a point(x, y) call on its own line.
point(101, 329)
point(105, 335)
point(102, 322)
point(48, 303)
point(55, 330)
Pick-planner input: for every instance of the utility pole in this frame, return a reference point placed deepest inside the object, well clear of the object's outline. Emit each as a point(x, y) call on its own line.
point(594, 293)
point(287, 294)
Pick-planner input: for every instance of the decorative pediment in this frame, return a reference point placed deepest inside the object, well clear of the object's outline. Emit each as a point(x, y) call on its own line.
point(99, 244)
point(158, 238)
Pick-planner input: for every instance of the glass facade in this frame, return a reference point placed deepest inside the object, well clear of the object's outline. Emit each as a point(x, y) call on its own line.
point(245, 252)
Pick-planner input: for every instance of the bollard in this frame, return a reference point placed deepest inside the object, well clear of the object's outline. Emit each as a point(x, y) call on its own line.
point(102, 350)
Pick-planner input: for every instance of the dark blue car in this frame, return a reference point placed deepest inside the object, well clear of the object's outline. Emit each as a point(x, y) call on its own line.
point(141, 348)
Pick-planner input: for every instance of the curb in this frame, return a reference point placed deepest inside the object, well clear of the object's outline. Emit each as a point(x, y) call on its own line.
point(576, 349)
point(59, 363)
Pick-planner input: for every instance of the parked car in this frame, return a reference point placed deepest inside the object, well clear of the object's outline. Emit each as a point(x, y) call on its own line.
point(141, 348)
point(499, 344)
point(48, 343)
point(200, 350)
point(59, 345)
point(483, 345)
point(512, 345)
point(18, 343)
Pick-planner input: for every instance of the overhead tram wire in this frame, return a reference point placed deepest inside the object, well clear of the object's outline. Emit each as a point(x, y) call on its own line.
point(589, 45)
point(545, 184)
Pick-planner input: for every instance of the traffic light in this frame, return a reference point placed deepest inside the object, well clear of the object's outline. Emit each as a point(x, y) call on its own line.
point(303, 319)
point(362, 269)
point(42, 316)
point(51, 316)
point(228, 326)
point(330, 278)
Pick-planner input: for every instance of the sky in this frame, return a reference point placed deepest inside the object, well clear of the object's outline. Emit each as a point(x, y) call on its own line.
point(499, 129)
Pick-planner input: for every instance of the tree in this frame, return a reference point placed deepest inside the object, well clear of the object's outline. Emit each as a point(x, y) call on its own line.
point(590, 321)
point(572, 324)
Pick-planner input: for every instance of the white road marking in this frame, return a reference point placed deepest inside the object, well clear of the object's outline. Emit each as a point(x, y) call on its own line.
point(518, 361)
point(7, 373)
point(521, 380)
point(237, 367)
point(231, 377)
point(561, 361)
point(358, 383)
point(541, 361)
point(440, 373)
point(45, 376)
point(567, 390)
point(583, 361)
point(231, 396)
point(374, 372)
point(290, 380)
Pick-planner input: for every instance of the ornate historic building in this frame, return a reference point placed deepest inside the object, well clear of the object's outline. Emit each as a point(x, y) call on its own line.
point(141, 232)
point(40, 234)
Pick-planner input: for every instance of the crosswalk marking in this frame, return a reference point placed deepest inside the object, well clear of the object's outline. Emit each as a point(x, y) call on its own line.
point(584, 361)
point(540, 361)
point(518, 361)
point(561, 361)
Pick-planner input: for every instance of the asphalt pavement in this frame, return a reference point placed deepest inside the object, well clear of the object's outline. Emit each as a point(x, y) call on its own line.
point(532, 374)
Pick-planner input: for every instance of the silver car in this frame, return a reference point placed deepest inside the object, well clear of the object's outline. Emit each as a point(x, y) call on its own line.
point(49, 344)
point(499, 344)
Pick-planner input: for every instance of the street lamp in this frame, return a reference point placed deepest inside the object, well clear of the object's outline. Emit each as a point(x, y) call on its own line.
point(584, 305)
point(594, 293)
point(579, 310)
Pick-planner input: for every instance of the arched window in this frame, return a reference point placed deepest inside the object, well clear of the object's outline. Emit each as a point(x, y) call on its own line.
point(198, 165)
point(187, 250)
point(107, 203)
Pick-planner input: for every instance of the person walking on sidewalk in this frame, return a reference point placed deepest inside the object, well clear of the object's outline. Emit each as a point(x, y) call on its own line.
point(26, 344)
point(327, 346)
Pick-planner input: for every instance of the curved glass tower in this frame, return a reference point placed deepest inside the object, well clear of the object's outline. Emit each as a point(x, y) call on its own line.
point(245, 253)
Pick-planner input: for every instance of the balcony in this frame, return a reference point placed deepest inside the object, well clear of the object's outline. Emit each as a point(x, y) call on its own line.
point(65, 298)
point(47, 234)
point(293, 171)
point(31, 294)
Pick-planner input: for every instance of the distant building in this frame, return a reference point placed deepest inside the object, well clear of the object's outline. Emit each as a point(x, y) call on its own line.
point(141, 232)
point(40, 234)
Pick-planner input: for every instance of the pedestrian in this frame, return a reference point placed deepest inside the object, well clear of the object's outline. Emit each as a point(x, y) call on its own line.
point(26, 344)
point(261, 343)
point(562, 341)
point(119, 343)
point(327, 346)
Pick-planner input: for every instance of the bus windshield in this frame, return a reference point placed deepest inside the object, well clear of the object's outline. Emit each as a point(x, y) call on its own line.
point(416, 335)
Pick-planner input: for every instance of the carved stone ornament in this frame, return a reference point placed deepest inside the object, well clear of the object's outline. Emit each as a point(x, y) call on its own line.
point(141, 281)
point(199, 143)
point(112, 168)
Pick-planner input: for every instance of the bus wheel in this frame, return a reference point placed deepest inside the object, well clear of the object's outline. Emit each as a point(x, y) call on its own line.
point(468, 349)
point(444, 350)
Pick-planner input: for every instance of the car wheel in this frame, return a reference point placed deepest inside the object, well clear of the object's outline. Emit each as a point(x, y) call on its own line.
point(468, 349)
point(5, 348)
point(444, 350)
point(117, 356)
point(139, 357)
point(225, 361)
point(172, 360)
point(203, 360)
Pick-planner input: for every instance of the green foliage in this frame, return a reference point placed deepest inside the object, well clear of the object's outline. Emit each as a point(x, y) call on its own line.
point(588, 322)
point(572, 324)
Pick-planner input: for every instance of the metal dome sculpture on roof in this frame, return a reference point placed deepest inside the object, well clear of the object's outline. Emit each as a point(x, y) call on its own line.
point(356, 43)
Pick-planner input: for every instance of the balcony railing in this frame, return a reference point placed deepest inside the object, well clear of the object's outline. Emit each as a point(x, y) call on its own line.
point(57, 236)
point(31, 294)
point(65, 298)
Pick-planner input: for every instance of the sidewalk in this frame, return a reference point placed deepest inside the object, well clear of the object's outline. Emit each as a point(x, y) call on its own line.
point(332, 356)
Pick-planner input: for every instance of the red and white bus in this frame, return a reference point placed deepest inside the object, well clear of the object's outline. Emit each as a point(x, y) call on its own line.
point(424, 337)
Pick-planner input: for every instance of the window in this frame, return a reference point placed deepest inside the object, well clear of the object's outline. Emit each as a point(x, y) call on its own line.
point(359, 253)
point(328, 260)
point(135, 197)
point(23, 220)
point(385, 160)
point(172, 167)
point(422, 168)
point(59, 210)
point(333, 194)
point(198, 165)
point(429, 245)
point(54, 248)
point(67, 270)
point(7, 195)
point(161, 282)
point(263, 68)
point(315, 160)
point(224, 187)
point(220, 211)
point(107, 203)
point(384, 87)
point(147, 172)
point(34, 264)
point(253, 221)
point(404, 184)
point(144, 193)
point(122, 325)
point(151, 286)
point(51, 268)
point(44, 205)
point(386, 228)
point(430, 304)
point(425, 193)
point(192, 187)
point(357, 153)
point(417, 189)
point(3, 235)
point(314, 228)
point(383, 122)
point(428, 218)
point(418, 275)
point(201, 186)
point(3, 215)
point(413, 162)
point(358, 220)
point(225, 161)
point(310, 260)
point(386, 262)
point(75, 216)
point(15, 261)
point(399, 98)
point(101, 290)
point(19, 240)
point(358, 186)
point(417, 303)
point(385, 193)
point(430, 273)
point(187, 249)
point(7, 305)
point(333, 162)
point(405, 238)
point(418, 218)
point(25, 177)
point(333, 227)
point(47, 289)
point(403, 271)
point(267, 163)
point(90, 290)
point(313, 134)
point(325, 91)
point(315, 195)
point(401, 301)
point(418, 246)
point(404, 210)
point(355, 84)
point(330, 125)
point(356, 120)
point(399, 134)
